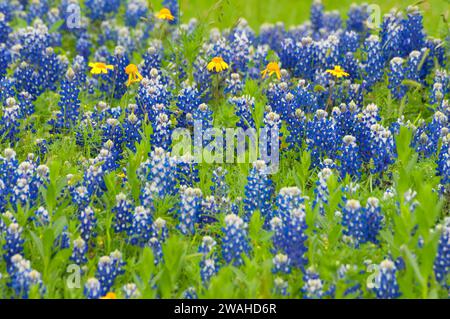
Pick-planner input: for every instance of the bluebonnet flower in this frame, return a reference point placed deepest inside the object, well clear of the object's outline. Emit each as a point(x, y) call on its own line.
point(207, 246)
point(368, 117)
point(63, 240)
point(131, 291)
point(271, 35)
point(280, 287)
point(235, 242)
point(41, 217)
point(23, 277)
point(349, 42)
point(441, 86)
point(187, 171)
point(69, 103)
point(396, 76)
point(391, 35)
point(321, 191)
point(313, 285)
point(244, 107)
point(84, 45)
point(88, 223)
point(413, 35)
point(346, 119)
point(152, 92)
point(373, 220)
point(13, 242)
point(6, 88)
point(437, 93)
point(327, 52)
point(132, 131)
point(317, 15)
point(270, 136)
point(288, 199)
point(190, 210)
point(208, 267)
point(281, 264)
point(109, 267)
point(99, 9)
point(382, 148)
point(79, 251)
point(219, 187)
point(141, 228)
point(92, 289)
point(112, 130)
point(354, 222)
point(212, 207)
point(234, 85)
point(289, 235)
point(5, 59)
point(135, 10)
point(36, 8)
point(160, 230)
point(296, 125)
point(443, 162)
point(123, 213)
point(190, 293)
point(321, 136)
point(4, 27)
point(156, 247)
point(442, 262)
point(374, 66)
point(26, 104)
point(357, 17)
point(439, 122)
point(350, 158)
point(160, 170)
point(258, 191)
point(203, 123)
point(386, 286)
point(241, 52)
point(10, 121)
point(52, 69)
point(162, 132)
point(189, 99)
point(208, 270)
point(152, 58)
point(305, 53)
point(412, 66)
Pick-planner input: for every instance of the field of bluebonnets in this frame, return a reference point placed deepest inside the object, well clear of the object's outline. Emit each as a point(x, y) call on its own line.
point(95, 205)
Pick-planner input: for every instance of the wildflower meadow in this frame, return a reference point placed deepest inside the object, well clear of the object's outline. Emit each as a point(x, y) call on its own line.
point(224, 149)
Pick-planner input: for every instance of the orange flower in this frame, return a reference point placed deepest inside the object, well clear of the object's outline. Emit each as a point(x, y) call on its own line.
point(109, 295)
point(217, 64)
point(133, 74)
point(272, 68)
point(100, 67)
point(165, 14)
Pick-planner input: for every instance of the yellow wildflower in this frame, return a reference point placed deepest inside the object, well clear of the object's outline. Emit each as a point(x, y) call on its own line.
point(165, 14)
point(133, 74)
point(217, 64)
point(272, 68)
point(109, 295)
point(338, 72)
point(100, 67)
